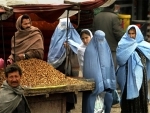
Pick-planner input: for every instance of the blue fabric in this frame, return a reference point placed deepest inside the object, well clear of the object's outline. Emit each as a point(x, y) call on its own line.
point(108, 100)
point(98, 65)
point(126, 53)
point(88, 101)
point(56, 53)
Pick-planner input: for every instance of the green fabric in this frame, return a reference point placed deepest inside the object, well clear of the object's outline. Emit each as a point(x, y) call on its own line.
point(9, 98)
point(97, 10)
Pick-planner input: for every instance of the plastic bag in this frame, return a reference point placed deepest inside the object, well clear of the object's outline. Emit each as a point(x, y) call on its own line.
point(99, 103)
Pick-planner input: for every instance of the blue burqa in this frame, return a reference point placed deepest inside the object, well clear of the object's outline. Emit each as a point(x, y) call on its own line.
point(57, 51)
point(99, 66)
point(126, 53)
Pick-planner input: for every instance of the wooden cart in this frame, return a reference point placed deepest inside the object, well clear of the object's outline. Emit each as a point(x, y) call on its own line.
point(52, 99)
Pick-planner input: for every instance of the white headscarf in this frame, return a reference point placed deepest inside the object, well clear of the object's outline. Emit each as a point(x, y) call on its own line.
point(81, 50)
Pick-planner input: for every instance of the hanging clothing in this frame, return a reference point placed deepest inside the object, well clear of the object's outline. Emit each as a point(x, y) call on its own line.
point(133, 59)
point(65, 61)
point(80, 54)
point(98, 65)
point(57, 51)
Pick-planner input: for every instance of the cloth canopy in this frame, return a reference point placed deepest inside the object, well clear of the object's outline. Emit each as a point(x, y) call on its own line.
point(51, 13)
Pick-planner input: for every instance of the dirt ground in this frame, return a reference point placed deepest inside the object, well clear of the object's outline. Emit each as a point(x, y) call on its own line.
point(78, 108)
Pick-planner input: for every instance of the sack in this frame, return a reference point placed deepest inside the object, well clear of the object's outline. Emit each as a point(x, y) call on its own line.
point(116, 97)
point(99, 103)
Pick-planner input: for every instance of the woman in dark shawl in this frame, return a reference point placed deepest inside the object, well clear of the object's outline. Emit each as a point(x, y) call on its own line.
point(133, 58)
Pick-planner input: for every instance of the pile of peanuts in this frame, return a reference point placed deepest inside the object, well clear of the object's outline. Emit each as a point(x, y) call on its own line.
point(2, 77)
point(39, 73)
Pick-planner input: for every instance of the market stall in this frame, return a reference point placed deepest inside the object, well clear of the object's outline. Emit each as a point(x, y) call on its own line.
point(46, 88)
point(44, 97)
point(53, 99)
point(44, 16)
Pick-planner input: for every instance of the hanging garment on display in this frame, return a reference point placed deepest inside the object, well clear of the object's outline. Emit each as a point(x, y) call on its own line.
point(62, 34)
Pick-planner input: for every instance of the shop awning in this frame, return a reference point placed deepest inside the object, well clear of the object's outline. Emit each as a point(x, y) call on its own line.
point(53, 12)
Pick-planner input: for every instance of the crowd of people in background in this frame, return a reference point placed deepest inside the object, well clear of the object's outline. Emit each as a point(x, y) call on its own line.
point(114, 59)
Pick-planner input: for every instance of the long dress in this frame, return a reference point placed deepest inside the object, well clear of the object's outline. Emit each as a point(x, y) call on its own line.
point(139, 104)
point(73, 71)
point(102, 71)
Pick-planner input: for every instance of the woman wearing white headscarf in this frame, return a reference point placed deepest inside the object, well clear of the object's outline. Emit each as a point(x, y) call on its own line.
point(85, 36)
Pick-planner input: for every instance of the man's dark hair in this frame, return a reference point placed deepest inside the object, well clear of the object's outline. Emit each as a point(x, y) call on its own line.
point(112, 5)
point(12, 68)
point(132, 28)
point(86, 32)
point(25, 16)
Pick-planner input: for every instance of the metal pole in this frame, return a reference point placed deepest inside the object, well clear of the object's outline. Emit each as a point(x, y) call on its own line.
point(67, 49)
point(3, 43)
point(14, 44)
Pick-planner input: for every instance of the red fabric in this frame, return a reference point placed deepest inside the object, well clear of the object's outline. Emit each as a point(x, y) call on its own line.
point(51, 16)
point(39, 8)
point(53, 12)
point(91, 4)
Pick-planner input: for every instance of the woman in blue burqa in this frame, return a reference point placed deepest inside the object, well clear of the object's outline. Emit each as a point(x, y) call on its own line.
point(63, 54)
point(98, 65)
point(133, 58)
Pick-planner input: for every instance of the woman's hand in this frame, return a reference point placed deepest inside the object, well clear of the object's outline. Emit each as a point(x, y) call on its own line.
point(21, 56)
point(66, 45)
point(9, 61)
